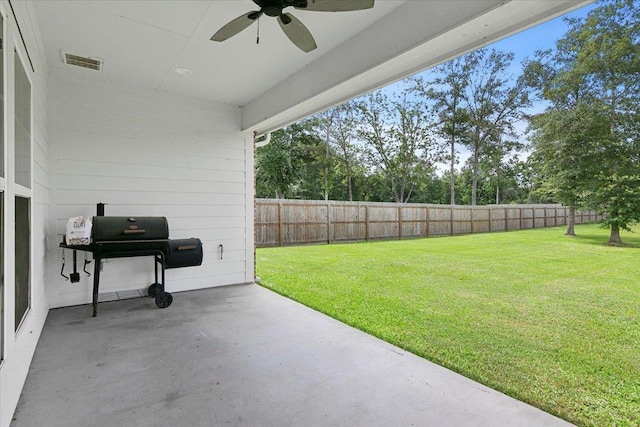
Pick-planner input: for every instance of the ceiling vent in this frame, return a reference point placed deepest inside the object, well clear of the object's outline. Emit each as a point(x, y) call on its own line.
point(82, 61)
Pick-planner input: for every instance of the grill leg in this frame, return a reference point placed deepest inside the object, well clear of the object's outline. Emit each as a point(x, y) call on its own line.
point(163, 299)
point(157, 261)
point(96, 283)
point(153, 288)
point(162, 267)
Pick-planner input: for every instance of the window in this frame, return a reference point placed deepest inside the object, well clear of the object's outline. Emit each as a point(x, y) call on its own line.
point(22, 164)
point(22, 258)
point(23, 125)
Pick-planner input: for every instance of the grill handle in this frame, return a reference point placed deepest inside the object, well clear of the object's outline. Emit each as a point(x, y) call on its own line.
point(187, 248)
point(134, 231)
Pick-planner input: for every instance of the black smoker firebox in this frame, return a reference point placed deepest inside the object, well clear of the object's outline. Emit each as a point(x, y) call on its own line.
point(122, 237)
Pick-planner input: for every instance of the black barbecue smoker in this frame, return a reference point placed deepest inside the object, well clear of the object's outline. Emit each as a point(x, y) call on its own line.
point(123, 237)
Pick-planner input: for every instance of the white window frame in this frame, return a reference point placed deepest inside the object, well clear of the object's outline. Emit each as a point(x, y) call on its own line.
point(3, 187)
point(20, 190)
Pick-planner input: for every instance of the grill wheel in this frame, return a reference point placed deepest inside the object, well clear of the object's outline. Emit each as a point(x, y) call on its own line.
point(152, 291)
point(164, 300)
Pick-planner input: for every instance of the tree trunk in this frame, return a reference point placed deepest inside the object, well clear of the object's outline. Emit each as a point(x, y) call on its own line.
point(453, 170)
point(571, 221)
point(326, 159)
point(350, 187)
point(497, 195)
point(413, 186)
point(397, 191)
point(614, 237)
point(474, 181)
point(326, 173)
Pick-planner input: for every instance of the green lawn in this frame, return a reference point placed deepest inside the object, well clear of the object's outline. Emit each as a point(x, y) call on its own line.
point(548, 319)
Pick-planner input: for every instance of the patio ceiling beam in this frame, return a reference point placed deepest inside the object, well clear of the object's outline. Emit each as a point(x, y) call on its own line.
point(416, 36)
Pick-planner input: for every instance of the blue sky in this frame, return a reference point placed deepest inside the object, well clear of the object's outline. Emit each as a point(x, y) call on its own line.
point(543, 36)
point(524, 45)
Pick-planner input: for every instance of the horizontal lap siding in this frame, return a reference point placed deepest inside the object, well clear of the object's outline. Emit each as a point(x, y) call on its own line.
point(151, 154)
point(18, 348)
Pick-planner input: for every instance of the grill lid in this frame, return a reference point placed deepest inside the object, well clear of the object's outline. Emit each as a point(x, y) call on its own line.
point(122, 229)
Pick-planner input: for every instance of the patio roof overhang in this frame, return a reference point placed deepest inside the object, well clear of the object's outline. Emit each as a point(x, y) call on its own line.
point(274, 83)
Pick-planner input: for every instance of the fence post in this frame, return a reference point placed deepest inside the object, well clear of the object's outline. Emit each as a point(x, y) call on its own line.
point(451, 220)
point(506, 219)
point(328, 222)
point(280, 227)
point(490, 220)
point(428, 229)
point(533, 214)
point(366, 221)
point(521, 221)
point(400, 222)
point(471, 216)
point(546, 215)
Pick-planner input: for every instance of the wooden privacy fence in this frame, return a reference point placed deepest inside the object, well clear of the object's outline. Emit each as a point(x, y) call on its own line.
point(296, 222)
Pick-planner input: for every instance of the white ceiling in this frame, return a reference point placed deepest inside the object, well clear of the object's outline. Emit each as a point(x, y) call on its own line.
point(143, 42)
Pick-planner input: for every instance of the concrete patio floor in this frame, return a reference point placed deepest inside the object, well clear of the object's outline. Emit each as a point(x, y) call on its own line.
point(241, 356)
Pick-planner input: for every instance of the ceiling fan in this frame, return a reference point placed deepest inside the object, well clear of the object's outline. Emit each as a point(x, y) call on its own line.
point(292, 26)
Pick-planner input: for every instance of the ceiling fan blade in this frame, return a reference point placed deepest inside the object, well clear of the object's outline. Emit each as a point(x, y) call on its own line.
point(337, 5)
point(235, 26)
point(297, 32)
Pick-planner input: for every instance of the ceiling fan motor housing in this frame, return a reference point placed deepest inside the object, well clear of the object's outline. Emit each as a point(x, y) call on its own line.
point(274, 7)
point(272, 11)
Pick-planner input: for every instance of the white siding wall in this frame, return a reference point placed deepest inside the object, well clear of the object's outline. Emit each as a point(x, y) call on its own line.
point(19, 346)
point(143, 153)
point(150, 154)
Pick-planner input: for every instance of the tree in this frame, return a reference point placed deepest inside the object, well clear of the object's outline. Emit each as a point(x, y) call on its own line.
point(274, 170)
point(397, 135)
point(562, 169)
point(324, 124)
point(592, 84)
point(494, 103)
point(346, 152)
point(447, 93)
point(287, 167)
point(528, 181)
